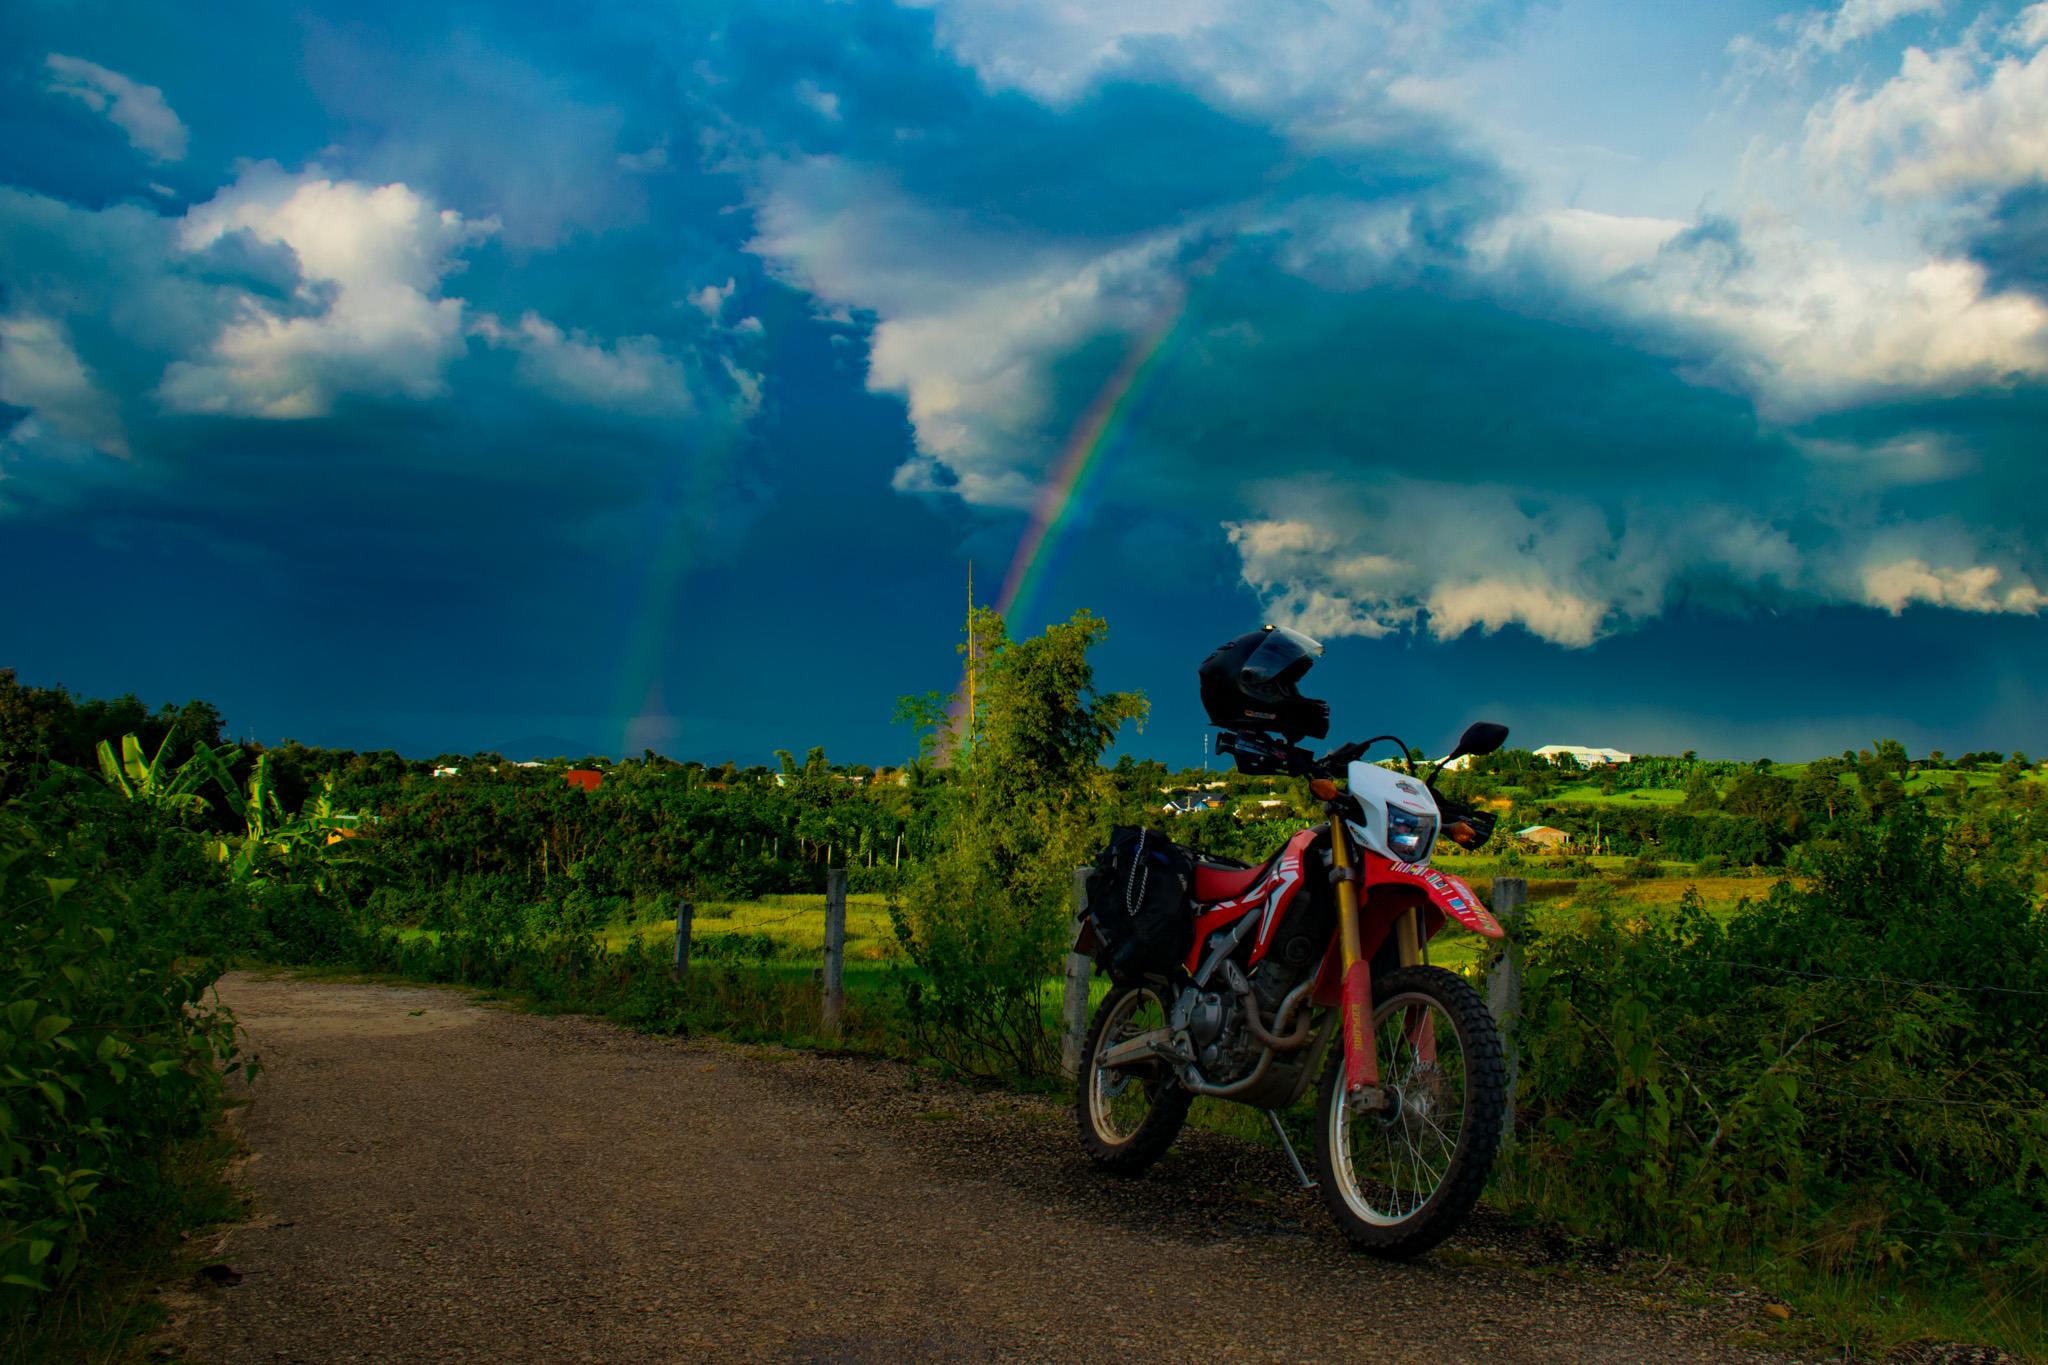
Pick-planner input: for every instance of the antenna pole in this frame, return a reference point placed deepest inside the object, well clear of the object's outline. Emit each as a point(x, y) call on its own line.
point(967, 735)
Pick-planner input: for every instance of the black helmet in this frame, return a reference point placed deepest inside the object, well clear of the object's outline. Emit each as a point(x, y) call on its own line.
point(1249, 684)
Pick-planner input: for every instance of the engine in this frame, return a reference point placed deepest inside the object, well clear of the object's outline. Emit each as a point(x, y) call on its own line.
point(1214, 1019)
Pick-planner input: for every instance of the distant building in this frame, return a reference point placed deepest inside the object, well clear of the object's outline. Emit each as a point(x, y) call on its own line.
point(446, 772)
point(1271, 808)
point(1584, 756)
point(586, 778)
point(1190, 803)
point(1543, 836)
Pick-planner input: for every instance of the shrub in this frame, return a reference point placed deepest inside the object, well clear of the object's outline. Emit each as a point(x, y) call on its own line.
point(984, 919)
point(110, 1054)
point(1845, 1072)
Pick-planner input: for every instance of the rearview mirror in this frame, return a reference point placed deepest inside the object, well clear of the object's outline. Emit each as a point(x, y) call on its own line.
point(1480, 737)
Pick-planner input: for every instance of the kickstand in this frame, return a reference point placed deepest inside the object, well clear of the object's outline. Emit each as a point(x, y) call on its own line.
point(1288, 1147)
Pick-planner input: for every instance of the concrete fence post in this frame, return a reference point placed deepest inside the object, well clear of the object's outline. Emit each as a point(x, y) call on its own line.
point(681, 966)
point(1074, 990)
point(835, 949)
point(1504, 983)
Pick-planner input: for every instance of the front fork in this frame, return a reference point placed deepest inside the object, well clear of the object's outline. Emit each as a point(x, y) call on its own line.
point(1361, 1060)
point(1361, 1065)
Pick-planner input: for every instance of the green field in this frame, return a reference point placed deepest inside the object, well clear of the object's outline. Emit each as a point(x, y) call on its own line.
point(795, 923)
point(1589, 793)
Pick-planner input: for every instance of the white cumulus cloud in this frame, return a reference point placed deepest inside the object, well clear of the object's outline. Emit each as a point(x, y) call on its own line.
point(368, 317)
point(1969, 116)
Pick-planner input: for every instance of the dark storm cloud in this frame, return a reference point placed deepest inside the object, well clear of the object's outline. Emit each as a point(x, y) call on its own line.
point(2010, 240)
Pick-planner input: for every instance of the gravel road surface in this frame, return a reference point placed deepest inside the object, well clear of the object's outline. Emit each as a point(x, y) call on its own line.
point(439, 1180)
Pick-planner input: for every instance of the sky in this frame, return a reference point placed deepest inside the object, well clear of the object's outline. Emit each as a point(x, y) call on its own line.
point(465, 377)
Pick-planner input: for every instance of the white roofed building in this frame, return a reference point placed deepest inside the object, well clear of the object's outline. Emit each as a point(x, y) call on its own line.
point(1585, 756)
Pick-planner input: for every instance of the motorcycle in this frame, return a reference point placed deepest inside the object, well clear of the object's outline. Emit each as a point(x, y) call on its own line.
point(1315, 967)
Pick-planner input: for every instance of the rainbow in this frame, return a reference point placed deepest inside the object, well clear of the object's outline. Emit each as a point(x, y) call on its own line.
point(1101, 424)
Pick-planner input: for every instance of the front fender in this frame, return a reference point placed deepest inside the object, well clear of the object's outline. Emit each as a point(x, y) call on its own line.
point(1446, 892)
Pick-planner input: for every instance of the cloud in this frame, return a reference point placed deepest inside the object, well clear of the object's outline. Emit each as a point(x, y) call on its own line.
point(1896, 584)
point(347, 310)
point(367, 316)
point(632, 375)
point(1779, 313)
point(710, 300)
point(41, 372)
point(1822, 32)
point(1325, 62)
point(1966, 117)
point(1401, 553)
point(138, 110)
point(1731, 412)
point(651, 161)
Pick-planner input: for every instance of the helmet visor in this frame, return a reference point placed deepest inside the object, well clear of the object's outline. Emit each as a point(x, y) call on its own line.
point(1280, 659)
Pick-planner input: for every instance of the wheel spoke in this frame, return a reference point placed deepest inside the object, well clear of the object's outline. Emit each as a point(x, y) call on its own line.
point(1389, 1168)
point(1121, 1098)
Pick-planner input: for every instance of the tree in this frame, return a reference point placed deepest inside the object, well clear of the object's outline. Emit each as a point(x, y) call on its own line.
point(986, 916)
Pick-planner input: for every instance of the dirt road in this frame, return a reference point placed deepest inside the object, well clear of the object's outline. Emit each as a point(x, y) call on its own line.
point(436, 1180)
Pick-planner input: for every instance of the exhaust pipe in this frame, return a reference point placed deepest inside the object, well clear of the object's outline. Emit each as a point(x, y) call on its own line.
point(1279, 1042)
point(1300, 1037)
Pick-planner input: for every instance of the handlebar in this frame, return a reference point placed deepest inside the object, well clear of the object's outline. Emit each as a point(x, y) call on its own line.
point(1262, 757)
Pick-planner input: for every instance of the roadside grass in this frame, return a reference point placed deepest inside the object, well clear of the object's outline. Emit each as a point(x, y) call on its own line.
point(1879, 1313)
point(1848, 1311)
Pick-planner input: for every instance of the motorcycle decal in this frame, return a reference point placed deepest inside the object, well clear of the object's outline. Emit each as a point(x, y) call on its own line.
point(1273, 892)
point(1458, 900)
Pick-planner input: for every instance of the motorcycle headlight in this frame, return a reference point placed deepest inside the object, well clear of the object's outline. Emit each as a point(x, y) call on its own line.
point(1410, 833)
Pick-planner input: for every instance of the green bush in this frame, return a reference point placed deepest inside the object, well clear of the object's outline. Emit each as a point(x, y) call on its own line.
point(985, 918)
point(1847, 1072)
point(110, 1053)
point(1643, 867)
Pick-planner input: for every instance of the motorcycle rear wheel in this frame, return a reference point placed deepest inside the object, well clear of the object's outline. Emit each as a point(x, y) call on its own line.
point(1400, 1181)
point(1128, 1115)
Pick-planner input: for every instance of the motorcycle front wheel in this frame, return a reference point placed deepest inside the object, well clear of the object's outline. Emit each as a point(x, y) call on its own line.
point(1128, 1115)
point(1400, 1180)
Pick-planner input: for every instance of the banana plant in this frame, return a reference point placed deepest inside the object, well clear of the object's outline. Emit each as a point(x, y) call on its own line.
point(273, 843)
point(152, 782)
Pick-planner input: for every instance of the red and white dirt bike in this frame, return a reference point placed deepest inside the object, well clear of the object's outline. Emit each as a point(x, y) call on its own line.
point(1316, 965)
